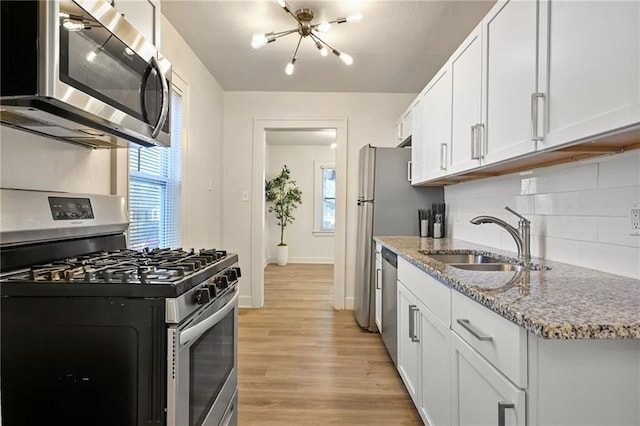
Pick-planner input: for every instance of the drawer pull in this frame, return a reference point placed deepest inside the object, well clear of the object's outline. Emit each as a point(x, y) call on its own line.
point(413, 334)
point(502, 407)
point(475, 333)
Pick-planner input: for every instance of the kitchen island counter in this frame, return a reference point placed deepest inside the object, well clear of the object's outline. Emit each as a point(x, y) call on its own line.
point(563, 302)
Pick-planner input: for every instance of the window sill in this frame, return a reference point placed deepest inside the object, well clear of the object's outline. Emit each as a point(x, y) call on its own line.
point(318, 233)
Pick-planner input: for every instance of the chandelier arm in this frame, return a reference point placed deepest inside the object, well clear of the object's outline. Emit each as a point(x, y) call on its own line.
point(295, 54)
point(283, 33)
point(315, 37)
point(286, 9)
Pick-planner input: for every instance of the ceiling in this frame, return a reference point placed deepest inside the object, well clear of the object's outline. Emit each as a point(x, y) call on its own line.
point(397, 48)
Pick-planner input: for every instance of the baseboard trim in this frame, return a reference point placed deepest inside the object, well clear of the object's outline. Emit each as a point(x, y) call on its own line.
point(349, 303)
point(316, 260)
point(244, 302)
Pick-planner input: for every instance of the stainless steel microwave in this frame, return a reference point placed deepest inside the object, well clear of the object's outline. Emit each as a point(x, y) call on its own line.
point(76, 70)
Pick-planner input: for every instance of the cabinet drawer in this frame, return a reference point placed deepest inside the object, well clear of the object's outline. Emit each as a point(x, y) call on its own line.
point(499, 341)
point(432, 293)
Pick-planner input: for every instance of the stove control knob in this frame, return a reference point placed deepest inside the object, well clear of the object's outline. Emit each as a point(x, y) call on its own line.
point(238, 272)
point(201, 296)
point(222, 282)
point(231, 274)
point(212, 289)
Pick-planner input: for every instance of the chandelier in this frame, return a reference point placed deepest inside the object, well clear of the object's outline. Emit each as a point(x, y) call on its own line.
point(306, 29)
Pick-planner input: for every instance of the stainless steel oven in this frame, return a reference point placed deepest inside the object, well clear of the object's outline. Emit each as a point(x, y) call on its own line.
point(202, 362)
point(94, 333)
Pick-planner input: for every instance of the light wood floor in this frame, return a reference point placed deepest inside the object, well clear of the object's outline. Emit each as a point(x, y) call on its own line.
point(303, 363)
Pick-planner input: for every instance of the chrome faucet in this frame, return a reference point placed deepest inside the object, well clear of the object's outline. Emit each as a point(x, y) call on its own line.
point(522, 235)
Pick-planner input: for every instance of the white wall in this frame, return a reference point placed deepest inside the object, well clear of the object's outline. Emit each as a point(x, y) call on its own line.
point(579, 213)
point(370, 118)
point(304, 246)
point(29, 161)
point(202, 156)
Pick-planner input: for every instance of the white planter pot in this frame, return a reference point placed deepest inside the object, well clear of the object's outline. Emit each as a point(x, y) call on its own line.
point(282, 255)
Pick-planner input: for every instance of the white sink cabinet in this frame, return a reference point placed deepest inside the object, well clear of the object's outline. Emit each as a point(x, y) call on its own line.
point(464, 364)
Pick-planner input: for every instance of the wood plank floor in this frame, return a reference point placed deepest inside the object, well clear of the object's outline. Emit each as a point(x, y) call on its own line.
point(303, 363)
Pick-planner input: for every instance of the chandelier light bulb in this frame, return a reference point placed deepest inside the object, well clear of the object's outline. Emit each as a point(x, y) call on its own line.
point(289, 68)
point(324, 27)
point(281, 3)
point(259, 42)
point(72, 25)
point(356, 17)
point(258, 37)
point(347, 59)
point(323, 50)
point(91, 56)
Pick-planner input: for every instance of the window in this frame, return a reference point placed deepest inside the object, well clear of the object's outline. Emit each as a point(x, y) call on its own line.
point(155, 183)
point(325, 196)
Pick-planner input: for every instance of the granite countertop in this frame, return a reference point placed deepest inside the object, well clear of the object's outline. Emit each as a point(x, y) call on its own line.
point(564, 302)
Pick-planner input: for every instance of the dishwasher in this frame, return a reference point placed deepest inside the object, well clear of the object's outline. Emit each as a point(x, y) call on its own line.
point(390, 303)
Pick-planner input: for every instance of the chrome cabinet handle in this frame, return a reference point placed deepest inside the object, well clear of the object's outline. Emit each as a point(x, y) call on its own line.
point(502, 407)
point(473, 142)
point(534, 116)
point(443, 156)
point(164, 112)
point(475, 333)
point(412, 315)
point(378, 272)
point(482, 141)
point(409, 170)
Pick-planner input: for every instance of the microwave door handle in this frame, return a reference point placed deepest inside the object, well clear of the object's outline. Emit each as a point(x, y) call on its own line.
point(164, 112)
point(194, 333)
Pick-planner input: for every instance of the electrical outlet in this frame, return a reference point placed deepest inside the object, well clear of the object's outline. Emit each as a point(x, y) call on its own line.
point(634, 218)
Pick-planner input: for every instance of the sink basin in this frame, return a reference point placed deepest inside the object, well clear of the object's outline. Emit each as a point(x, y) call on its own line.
point(490, 267)
point(465, 258)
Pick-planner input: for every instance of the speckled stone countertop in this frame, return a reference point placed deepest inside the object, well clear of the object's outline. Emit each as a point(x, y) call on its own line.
point(565, 302)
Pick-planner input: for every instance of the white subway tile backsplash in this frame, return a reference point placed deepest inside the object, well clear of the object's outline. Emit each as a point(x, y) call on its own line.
point(608, 202)
point(572, 178)
point(618, 260)
point(620, 170)
point(564, 203)
point(584, 228)
point(616, 230)
point(578, 212)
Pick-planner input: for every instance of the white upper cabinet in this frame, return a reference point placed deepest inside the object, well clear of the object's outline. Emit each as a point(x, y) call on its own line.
point(467, 128)
point(510, 41)
point(589, 68)
point(144, 15)
point(416, 142)
point(436, 125)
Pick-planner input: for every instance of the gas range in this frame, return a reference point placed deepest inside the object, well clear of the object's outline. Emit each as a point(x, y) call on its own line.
point(158, 272)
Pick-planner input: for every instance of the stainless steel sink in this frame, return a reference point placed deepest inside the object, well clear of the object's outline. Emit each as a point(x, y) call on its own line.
point(489, 267)
point(465, 258)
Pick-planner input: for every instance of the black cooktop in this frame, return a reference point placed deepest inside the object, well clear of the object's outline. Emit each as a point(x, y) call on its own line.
point(119, 273)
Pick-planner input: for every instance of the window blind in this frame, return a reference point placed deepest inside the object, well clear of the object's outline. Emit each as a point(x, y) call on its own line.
point(155, 186)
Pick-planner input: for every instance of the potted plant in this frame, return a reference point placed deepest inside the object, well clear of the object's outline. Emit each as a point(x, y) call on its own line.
point(286, 196)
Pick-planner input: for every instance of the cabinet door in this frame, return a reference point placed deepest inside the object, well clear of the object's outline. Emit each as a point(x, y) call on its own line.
point(378, 293)
point(436, 125)
point(416, 143)
point(589, 68)
point(435, 398)
point(467, 129)
point(480, 395)
point(510, 40)
point(408, 344)
point(144, 15)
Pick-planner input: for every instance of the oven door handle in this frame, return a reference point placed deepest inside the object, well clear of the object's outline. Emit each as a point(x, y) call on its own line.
point(193, 333)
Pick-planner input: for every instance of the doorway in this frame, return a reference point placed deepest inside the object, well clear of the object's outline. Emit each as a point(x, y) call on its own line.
point(262, 129)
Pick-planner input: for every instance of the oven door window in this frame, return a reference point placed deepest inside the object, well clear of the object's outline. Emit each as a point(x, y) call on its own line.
point(96, 62)
point(212, 358)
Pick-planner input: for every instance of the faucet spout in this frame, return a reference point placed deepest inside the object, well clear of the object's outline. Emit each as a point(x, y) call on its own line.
point(521, 236)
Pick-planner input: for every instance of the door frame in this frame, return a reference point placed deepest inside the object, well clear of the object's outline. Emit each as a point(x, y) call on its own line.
point(260, 127)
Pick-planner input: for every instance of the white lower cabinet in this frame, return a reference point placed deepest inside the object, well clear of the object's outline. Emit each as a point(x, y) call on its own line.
point(435, 336)
point(408, 341)
point(480, 394)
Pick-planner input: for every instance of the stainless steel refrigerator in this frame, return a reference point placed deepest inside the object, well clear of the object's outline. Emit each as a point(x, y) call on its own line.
point(387, 205)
